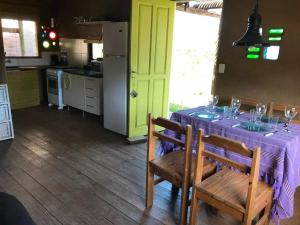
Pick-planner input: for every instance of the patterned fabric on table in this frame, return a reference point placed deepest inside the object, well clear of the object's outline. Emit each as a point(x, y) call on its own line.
point(280, 155)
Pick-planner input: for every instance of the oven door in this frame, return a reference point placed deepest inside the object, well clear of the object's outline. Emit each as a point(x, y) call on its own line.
point(52, 84)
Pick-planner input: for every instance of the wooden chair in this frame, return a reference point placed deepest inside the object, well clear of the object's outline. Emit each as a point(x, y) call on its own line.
point(175, 167)
point(235, 193)
point(275, 107)
point(249, 102)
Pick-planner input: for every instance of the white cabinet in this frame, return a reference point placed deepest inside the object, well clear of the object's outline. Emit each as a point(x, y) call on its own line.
point(74, 91)
point(6, 126)
point(93, 96)
point(83, 93)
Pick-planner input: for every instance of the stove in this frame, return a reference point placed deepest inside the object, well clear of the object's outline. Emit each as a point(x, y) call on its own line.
point(55, 87)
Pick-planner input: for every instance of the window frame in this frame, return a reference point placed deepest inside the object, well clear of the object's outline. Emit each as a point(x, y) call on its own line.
point(38, 33)
point(90, 50)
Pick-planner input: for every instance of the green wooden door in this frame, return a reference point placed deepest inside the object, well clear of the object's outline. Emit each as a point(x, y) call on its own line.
point(151, 50)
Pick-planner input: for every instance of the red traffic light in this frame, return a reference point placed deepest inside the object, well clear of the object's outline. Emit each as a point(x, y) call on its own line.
point(52, 35)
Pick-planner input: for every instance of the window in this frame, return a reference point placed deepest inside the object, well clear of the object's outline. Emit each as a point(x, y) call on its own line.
point(97, 50)
point(20, 38)
point(271, 53)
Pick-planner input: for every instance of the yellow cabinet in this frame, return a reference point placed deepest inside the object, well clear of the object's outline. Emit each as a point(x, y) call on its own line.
point(23, 88)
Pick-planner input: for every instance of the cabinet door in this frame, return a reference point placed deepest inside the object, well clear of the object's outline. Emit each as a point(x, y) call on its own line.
point(74, 91)
point(23, 88)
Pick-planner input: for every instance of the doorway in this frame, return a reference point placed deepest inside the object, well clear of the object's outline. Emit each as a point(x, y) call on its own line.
point(196, 33)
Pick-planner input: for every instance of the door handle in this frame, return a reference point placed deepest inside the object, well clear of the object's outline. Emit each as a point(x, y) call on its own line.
point(133, 94)
point(133, 74)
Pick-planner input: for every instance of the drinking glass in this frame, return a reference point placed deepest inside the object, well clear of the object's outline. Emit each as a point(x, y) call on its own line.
point(235, 106)
point(261, 110)
point(273, 122)
point(215, 101)
point(210, 106)
point(227, 112)
point(290, 113)
point(252, 119)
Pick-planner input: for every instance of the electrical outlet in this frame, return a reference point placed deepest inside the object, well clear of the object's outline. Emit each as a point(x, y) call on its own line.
point(221, 68)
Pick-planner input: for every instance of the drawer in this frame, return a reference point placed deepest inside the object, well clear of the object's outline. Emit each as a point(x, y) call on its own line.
point(4, 113)
point(92, 105)
point(91, 109)
point(91, 83)
point(93, 101)
point(5, 131)
point(91, 92)
point(3, 97)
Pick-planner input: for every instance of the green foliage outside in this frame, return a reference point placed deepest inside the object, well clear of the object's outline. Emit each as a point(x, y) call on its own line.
point(176, 107)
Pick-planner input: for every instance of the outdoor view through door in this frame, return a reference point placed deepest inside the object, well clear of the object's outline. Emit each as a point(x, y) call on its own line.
point(196, 33)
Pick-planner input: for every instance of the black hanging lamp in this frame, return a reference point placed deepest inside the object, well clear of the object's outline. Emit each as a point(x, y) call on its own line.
point(252, 36)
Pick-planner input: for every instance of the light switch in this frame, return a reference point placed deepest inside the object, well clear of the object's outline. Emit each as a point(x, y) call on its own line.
point(221, 68)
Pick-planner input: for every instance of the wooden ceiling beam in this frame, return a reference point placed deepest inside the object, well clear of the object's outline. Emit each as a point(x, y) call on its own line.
point(196, 11)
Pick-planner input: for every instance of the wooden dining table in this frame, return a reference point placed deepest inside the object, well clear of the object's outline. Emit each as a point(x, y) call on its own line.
point(280, 152)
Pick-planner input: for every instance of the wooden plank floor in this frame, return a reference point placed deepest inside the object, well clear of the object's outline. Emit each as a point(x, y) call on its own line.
point(68, 170)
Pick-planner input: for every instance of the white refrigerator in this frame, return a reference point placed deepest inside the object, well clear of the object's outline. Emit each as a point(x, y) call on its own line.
point(115, 76)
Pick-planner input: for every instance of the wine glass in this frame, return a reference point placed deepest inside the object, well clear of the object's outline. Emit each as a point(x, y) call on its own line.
point(261, 110)
point(235, 106)
point(209, 106)
point(290, 113)
point(214, 101)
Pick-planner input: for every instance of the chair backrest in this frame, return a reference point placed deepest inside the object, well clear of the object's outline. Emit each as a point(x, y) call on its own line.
point(249, 101)
point(276, 107)
point(233, 146)
point(153, 135)
point(170, 125)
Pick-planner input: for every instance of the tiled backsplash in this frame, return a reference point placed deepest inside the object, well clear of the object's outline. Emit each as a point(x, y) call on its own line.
point(77, 51)
point(44, 60)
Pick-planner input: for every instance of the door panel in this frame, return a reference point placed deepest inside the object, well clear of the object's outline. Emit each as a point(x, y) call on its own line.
point(151, 50)
point(161, 40)
point(144, 39)
point(143, 88)
point(74, 91)
point(158, 97)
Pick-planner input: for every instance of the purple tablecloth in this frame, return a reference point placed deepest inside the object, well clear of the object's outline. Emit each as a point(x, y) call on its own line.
point(280, 154)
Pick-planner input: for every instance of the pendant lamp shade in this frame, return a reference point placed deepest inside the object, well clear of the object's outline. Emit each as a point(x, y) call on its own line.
point(252, 36)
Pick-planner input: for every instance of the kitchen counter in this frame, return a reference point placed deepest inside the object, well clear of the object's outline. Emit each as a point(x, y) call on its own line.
point(82, 72)
point(40, 67)
point(73, 70)
point(24, 68)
